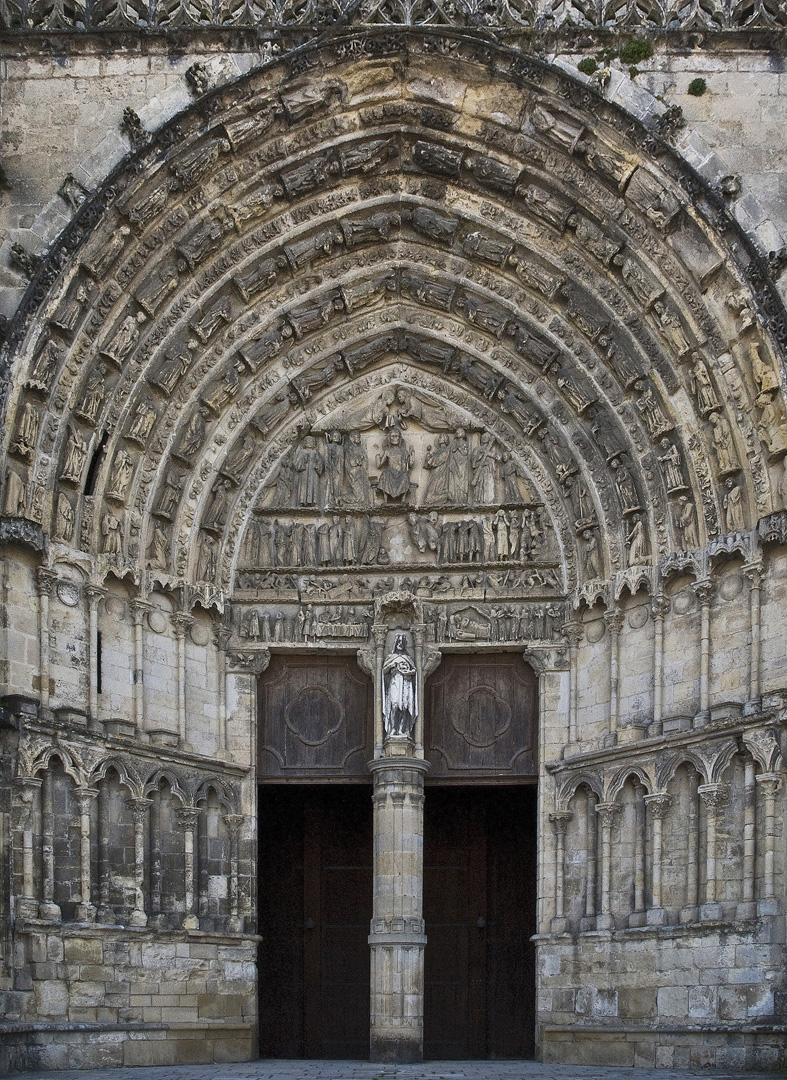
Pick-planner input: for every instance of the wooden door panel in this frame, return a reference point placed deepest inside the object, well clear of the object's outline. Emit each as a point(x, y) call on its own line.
point(315, 902)
point(315, 718)
point(479, 908)
point(481, 714)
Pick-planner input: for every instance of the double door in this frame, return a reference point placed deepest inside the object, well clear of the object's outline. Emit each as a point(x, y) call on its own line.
point(315, 905)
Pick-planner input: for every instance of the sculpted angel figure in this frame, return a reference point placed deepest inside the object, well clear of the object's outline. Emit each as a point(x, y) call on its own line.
point(400, 708)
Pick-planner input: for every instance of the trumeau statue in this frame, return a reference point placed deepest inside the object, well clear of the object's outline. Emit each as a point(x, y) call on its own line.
point(400, 702)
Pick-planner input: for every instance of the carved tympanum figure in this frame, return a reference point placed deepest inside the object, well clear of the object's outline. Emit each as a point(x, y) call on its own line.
point(64, 519)
point(685, 519)
point(395, 461)
point(400, 708)
point(308, 463)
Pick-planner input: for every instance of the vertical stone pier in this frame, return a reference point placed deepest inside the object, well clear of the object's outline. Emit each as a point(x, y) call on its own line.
point(397, 937)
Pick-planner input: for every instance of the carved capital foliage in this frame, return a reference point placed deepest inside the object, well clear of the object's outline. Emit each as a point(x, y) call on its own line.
point(187, 817)
point(84, 797)
point(430, 661)
point(660, 606)
point(139, 808)
point(560, 820)
point(572, 632)
point(715, 796)
point(765, 748)
point(46, 580)
point(769, 783)
point(755, 574)
point(614, 621)
point(659, 803)
point(248, 661)
point(704, 591)
point(607, 812)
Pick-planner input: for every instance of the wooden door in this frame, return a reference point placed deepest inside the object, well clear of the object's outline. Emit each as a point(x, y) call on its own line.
point(479, 907)
point(315, 905)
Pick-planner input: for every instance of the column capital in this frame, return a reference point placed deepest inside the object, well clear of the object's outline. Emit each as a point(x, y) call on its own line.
point(234, 822)
point(431, 660)
point(614, 620)
point(755, 572)
point(769, 782)
point(659, 803)
point(715, 796)
point(248, 661)
point(138, 608)
point(660, 606)
point(187, 816)
point(139, 807)
point(46, 580)
point(704, 591)
point(607, 812)
point(560, 820)
point(572, 632)
point(221, 637)
point(181, 622)
point(95, 594)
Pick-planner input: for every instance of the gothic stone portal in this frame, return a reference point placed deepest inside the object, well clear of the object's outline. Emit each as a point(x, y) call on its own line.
point(400, 349)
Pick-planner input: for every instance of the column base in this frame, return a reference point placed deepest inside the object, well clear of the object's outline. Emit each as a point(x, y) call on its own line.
point(587, 922)
point(49, 911)
point(746, 909)
point(711, 913)
point(657, 916)
point(26, 908)
point(390, 1050)
point(605, 922)
point(638, 918)
point(86, 913)
point(106, 916)
point(190, 922)
point(689, 914)
point(769, 906)
point(138, 918)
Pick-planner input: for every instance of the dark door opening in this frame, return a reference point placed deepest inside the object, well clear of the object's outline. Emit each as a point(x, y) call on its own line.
point(480, 912)
point(315, 905)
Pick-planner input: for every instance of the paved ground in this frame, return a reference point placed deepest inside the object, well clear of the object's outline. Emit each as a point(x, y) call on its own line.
point(360, 1070)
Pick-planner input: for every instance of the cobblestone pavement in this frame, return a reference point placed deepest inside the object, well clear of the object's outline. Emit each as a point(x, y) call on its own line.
point(359, 1070)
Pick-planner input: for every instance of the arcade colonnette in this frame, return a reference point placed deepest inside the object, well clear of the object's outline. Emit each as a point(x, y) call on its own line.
point(393, 530)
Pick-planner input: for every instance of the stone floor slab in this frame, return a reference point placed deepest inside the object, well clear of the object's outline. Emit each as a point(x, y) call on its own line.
point(359, 1070)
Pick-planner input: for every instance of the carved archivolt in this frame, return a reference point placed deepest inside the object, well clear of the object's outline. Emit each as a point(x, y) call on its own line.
point(498, 348)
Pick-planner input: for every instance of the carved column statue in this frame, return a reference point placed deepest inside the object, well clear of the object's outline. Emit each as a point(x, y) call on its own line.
point(400, 661)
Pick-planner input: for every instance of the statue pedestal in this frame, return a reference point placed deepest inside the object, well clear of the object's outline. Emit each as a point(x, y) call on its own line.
point(397, 936)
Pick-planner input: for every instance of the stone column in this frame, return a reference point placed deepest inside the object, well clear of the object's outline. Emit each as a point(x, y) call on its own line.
point(27, 787)
point(591, 858)
point(658, 804)
point(180, 624)
point(704, 592)
point(607, 813)
point(234, 922)
point(104, 913)
point(187, 820)
point(747, 909)
point(659, 607)
point(638, 916)
point(86, 911)
point(48, 909)
point(46, 583)
point(560, 820)
point(139, 809)
point(572, 631)
point(94, 596)
point(755, 573)
point(690, 912)
point(138, 610)
point(221, 637)
point(614, 621)
point(715, 797)
point(397, 937)
point(769, 784)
